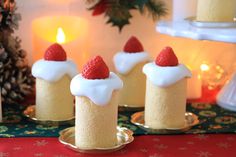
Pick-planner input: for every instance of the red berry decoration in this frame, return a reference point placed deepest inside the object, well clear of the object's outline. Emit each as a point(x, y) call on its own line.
point(133, 45)
point(100, 8)
point(167, 57)
point(96, 68)
point(55, 53)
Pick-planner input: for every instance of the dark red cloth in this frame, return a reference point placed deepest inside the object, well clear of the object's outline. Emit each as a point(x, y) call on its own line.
point(201, 145)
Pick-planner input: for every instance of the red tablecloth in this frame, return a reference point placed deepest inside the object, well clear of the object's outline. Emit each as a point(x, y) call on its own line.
point(202, 145)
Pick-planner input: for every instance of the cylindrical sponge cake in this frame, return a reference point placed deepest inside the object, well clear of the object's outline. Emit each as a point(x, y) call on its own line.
point(216, 10)
point(165, 106)
point(95, 125)
point(133, 91)
point(54, 100)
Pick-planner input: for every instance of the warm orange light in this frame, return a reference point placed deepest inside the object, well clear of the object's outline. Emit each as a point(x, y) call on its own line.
point(204, 67)
point(199, 76)
point(61, 38)
point(189, 67)
point(70, 31)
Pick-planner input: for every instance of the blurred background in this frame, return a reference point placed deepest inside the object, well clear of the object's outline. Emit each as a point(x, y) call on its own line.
point(100, 38)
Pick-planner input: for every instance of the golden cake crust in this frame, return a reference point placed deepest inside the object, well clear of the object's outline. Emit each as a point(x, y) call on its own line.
point(96, 125)
point(54, 100)
point(165, 107)
point(216, 10)
point(133, 91)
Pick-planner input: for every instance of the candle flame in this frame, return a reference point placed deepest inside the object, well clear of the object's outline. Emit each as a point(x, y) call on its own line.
point(204, 67)
point(61, 38)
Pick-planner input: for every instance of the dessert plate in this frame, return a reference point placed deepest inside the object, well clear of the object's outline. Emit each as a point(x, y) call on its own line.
point(194, 22)
point(124, 136)
point(190, 121)
point(29, 112)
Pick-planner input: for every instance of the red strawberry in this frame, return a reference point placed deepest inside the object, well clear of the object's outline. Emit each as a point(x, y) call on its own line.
point(55, 53)
point(167, 57)
point(133, 45)
point(96, 68)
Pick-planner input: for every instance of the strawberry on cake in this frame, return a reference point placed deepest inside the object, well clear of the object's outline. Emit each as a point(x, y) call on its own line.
point(96, 90)
point(53, 75)
point(129, 64)
point(165, 103)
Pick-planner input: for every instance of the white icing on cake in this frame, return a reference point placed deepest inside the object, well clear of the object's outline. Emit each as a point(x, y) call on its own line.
point(52, 71)
point(124, 62)
point(165, 76)
point(99, 91)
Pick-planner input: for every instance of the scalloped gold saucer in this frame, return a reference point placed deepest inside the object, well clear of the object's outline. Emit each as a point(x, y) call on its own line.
point(190, 121)
point(29, 112)
point(124, 136)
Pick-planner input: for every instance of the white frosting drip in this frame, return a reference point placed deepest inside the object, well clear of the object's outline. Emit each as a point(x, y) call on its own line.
point(165, 76)
point(99, 91)
point(124, 62)
point(52, 71)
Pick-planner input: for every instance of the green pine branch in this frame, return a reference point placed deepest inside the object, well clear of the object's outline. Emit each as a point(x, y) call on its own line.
point(118, 11)
point(155, 8)
point(118, 14)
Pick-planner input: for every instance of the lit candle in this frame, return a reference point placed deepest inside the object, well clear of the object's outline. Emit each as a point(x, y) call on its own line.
point(60, 38)
point(70, 31)
point(0, 106)
point(194, 86)
point(183, 9)
point(204, 67)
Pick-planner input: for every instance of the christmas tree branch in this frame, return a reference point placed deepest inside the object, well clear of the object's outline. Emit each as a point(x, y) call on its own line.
point(118, 11)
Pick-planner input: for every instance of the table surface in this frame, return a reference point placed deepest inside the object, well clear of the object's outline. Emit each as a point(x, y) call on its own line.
point(185, 145)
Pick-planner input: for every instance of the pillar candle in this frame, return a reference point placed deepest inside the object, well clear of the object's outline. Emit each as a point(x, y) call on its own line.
point(75, 29)
point(194, 86)
point(183, 9)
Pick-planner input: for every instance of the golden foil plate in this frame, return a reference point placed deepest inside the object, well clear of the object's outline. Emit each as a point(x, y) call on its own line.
point(205, 24)
point(124, 136)
point(190, 121)
point(29, 112)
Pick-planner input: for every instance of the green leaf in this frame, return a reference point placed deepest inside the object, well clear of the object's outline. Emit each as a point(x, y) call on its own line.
point(139, 4)
point(118, 15)
point(118, 11)
point(156, 8)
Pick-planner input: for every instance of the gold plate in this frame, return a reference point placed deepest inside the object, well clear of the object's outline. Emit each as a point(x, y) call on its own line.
point(190, 121)
point(29, 112)
point(124, 136)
